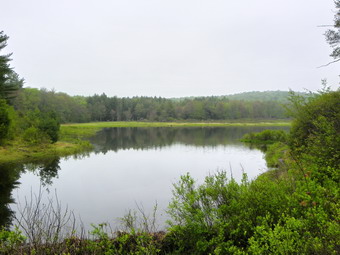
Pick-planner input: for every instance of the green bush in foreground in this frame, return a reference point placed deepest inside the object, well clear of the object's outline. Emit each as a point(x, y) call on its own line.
point(11, 241)
point(315, 132)
point(293, 214)
point(220, 215)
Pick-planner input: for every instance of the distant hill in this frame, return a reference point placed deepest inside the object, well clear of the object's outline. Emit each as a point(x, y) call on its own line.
point(278, 96)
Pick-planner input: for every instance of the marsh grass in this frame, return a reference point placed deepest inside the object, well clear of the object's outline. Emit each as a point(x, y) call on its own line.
point(84, 130)
point(22, 153)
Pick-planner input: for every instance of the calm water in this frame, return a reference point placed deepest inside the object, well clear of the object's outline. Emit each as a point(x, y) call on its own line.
point(131, 166)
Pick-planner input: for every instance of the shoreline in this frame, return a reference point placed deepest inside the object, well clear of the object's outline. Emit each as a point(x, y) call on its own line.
point(73, 138)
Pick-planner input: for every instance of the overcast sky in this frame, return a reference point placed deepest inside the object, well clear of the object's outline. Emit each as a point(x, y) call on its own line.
point(169, 48)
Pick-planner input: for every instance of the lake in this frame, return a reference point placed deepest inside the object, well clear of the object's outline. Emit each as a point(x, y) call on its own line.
point(131, 167)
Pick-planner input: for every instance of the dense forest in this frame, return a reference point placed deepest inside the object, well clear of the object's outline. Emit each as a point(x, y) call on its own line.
point(254, 105)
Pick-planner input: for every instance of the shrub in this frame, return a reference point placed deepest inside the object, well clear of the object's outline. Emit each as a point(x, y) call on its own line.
point(220, 215)
point(316, 128)
point(40, 127)
point(34, 136)
point(265, 137)
point(275, 154)
point(50, 125)
point(10, 241)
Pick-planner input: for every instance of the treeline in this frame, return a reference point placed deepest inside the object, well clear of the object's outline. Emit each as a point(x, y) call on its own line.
point(104, 108)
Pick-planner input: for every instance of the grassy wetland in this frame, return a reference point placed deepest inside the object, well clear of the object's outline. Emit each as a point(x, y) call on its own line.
point(80, 130)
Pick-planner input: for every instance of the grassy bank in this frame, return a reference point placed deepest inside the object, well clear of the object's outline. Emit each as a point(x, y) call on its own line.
point(72, 138)
point(22, 153)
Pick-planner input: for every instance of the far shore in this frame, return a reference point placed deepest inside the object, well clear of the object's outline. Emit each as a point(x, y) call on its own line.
point(72, 137)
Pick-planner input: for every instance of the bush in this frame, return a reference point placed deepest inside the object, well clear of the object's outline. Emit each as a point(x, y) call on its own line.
point(265, 137)
point(40, 127)
point(133, 243)
point(316, 128)
point(50, 125)
point(34, 136)
point(275, 154)
point(10, 241)
point(220, 215)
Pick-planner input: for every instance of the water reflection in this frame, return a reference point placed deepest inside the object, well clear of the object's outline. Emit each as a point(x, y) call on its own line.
point(9, 175)
point(114, 139)
point(47, 169)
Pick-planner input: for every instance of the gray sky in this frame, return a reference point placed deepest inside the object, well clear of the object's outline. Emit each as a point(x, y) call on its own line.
point(169, 48)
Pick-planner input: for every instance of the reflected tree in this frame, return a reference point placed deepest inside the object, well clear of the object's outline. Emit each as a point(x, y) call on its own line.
point(46, 169)
point(9, 175)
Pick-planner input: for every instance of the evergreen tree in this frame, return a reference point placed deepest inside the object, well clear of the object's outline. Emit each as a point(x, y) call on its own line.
point(9, 80)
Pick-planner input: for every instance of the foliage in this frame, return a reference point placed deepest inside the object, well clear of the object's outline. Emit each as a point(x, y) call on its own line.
point(315, 132)
point(290, 236)
point(40, 127)
point(50, 125)
point(220, 215)
point(10, 241)
point(135, 243)
point(275, 154)
point(34, 136)
point(265, 137)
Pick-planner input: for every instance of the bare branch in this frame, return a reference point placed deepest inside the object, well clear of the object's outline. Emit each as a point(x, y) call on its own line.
point(325, 26)
point(329, 63)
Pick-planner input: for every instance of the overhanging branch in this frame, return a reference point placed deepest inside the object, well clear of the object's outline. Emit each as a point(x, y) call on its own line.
point(329, 63)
